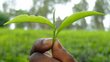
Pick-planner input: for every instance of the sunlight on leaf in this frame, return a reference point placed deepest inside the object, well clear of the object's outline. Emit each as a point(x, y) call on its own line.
point(74, 17)
point(31, 18)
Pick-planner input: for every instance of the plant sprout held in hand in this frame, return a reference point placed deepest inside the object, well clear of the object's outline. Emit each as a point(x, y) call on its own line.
point(45, 44)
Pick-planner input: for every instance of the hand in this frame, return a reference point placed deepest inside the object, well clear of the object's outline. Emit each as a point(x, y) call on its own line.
point(39, 52)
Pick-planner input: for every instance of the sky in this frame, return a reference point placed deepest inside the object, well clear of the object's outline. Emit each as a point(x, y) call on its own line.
point(19, 4)
point(67, 9)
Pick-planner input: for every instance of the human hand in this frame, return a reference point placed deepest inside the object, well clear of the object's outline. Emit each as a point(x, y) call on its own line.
point(39, 52)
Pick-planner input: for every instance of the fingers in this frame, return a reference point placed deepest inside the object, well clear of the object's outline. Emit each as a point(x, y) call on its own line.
point(42, 45)
point(38, 57)
point(60, 53)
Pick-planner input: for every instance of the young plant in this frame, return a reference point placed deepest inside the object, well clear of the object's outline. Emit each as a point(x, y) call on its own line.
point(40, 19)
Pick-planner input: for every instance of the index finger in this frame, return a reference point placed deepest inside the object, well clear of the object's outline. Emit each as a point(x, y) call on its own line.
point(42, 45)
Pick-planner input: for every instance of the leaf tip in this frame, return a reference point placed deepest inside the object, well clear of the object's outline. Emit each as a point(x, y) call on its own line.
point(99, 13)
point(5, 23)
point(8, 22)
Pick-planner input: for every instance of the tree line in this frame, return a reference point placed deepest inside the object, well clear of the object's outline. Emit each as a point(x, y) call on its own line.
point(46, 7)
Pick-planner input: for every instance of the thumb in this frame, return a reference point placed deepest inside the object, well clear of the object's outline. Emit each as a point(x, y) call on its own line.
point(60, 53)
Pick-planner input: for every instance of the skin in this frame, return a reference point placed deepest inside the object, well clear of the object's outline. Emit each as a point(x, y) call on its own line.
point(40, 52)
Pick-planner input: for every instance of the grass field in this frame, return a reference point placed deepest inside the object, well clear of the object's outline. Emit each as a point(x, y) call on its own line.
point(85, 46)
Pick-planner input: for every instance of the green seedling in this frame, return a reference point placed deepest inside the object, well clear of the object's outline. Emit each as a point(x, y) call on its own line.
point(40, 19)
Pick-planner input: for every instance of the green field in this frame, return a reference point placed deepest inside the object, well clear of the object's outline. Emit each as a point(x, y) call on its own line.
point(86, 46)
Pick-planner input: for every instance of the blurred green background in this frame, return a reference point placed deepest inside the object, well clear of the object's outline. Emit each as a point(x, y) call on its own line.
point(88, 39)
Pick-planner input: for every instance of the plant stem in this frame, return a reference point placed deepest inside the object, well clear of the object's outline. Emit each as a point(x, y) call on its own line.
point(54, 31)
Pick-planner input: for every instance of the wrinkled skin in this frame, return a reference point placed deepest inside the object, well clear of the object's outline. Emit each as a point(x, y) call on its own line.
point(58, 53)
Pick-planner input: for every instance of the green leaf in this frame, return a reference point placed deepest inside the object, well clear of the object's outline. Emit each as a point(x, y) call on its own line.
point(31, 18)
point(74, 17)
